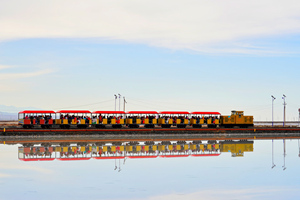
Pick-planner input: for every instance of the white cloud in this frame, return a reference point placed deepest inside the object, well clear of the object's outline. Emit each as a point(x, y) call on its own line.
point(249, 193)
point(4, 175)
point(4, 67)
point(10, 76)
point(199, 25)
point(26, 167)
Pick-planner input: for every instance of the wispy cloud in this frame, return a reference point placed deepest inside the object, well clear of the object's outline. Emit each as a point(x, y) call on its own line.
point(10, 76)
point(25, 167)
point(5, 67)
point(4, 175)
point(196, 25)
point(249, 193)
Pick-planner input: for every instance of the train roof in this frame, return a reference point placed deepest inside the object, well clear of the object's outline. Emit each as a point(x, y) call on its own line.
point(142, 112)
point(37, 111)
point(108, 112)
point(73, 111)
point(206, 113)
point(175, 112)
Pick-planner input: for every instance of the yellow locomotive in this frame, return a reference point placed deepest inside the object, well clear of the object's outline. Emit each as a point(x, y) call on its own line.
point(237, 119)
point(237, 148)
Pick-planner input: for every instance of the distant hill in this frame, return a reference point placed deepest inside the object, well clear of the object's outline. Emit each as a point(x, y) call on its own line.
point(8, 116)
point(11, 112)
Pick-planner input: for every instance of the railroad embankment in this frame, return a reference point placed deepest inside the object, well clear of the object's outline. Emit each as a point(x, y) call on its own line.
point(11, 128)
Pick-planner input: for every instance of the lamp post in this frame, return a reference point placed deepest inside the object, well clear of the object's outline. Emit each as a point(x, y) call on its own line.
point(299, 118)
point(124, 104)
point(273, 98)
point(119, 102)
point(284, 104)
point(115, 102)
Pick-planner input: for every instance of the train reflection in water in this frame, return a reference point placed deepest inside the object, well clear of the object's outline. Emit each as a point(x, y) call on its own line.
point(134, 149)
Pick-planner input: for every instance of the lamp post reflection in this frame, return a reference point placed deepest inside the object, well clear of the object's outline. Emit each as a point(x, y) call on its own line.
point(284, 154)
point(273, 165)
point(119, 165)
point(299, 148)
point(116, 164)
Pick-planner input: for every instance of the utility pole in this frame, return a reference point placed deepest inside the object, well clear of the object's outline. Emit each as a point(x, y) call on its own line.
point(284, 105)
point(115, 102)
point(124, 108)
point(126, 102)
point(119, 102)
point(273, 98)
point(299, 118)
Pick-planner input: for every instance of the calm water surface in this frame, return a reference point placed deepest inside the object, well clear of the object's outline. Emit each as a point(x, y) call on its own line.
point(160, 170)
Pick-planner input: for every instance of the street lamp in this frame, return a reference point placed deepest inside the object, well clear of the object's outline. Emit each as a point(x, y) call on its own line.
point(284, 104)
point(273, 98)
point(299, 118)
point(124, 104)
point(115, 102)
point(119, 102)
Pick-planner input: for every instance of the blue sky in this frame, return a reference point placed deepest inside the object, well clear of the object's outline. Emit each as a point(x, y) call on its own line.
point(210, 56)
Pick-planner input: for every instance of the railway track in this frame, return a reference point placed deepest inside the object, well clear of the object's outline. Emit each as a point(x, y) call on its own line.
point(144, 131)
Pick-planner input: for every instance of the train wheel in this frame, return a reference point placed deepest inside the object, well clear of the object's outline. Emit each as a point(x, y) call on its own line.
point(197, 126)
point(117, 126)
point(82, 126)
point(100, 126)
point(181, 125)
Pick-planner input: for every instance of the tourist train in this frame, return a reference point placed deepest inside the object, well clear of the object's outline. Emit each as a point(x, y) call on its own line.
point(66, 119)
